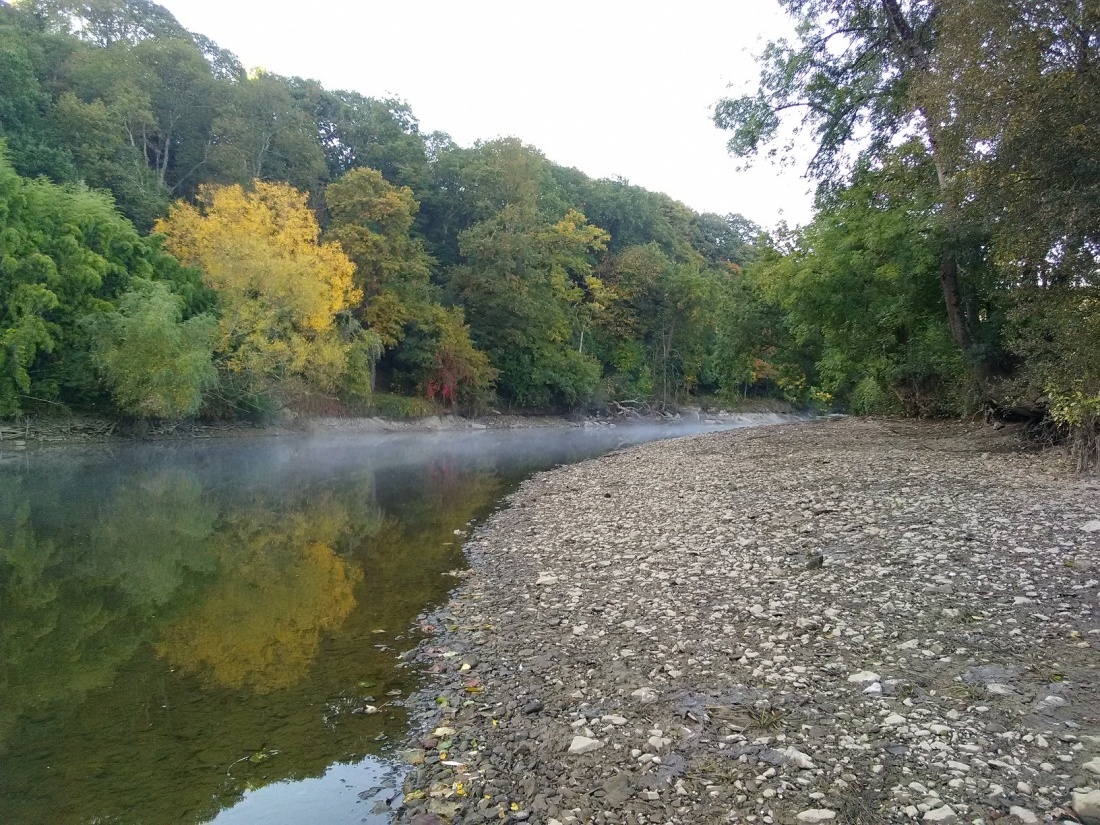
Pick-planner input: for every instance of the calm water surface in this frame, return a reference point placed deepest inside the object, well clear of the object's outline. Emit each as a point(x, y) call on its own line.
point(188, 630)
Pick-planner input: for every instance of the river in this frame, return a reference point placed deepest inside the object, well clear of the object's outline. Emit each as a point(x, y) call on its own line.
point(207, 631)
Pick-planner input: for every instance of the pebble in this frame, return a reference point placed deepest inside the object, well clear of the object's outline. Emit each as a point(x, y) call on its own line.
point(1087, 807)
point(665, 654)
point(582, 744)
point(816, 815)
point(943, 815)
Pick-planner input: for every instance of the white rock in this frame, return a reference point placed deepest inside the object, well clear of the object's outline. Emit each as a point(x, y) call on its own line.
point(864, 677)
point(893, 720)
point(646, 695)
point(1087, 806)
point(798, 759)
point(1024, 815)
point(817, 815)
point(1092, 526)
point(546, 579)
point(944, 815)
point(1093, 766)
point(582, 744)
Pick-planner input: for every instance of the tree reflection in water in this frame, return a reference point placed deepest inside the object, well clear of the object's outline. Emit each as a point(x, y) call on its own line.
point(180, 624)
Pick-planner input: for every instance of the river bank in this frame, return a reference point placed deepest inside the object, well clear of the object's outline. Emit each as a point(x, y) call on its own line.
point(18, 435)
point(852, 621)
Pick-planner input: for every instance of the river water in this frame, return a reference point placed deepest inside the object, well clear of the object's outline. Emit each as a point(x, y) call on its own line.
point(199, 632)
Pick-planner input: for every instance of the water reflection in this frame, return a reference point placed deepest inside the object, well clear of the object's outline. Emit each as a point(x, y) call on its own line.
point(283, 584)
point(182, 625)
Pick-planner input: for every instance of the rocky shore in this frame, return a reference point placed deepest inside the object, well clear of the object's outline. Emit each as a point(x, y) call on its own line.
point(850, 622)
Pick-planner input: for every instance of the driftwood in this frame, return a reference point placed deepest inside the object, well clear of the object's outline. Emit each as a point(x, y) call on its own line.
point(631, 407)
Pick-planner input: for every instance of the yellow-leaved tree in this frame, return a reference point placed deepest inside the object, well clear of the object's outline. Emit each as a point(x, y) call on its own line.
point(281, 292)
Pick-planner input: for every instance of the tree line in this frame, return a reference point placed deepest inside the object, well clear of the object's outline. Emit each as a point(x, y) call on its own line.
point(953, 262)
point(181, 237)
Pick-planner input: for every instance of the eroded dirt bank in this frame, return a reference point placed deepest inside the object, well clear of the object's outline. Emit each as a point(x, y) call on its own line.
point(848, 621)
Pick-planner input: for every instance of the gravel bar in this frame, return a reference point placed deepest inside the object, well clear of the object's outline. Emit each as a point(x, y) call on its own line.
point(852, 621)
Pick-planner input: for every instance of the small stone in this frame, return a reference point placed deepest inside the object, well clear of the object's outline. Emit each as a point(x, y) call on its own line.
point(1052, 702)
point(1093, 766)
point(546, 579)
point(893, 720)
point(944, 815)
point(816, 815)
point(864, 677)
point(1087, 806)
point(533, 707)
point(1024, 815)
point(1092, 526)
point(582, 744)
point(798, 759)
point(646, 695)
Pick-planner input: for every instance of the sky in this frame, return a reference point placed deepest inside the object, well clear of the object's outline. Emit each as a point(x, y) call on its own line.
point(614, 88)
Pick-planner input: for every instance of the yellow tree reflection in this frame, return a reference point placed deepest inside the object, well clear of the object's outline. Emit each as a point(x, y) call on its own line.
point(281, 586)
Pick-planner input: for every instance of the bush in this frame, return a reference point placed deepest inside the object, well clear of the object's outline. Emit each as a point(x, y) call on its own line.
point(156, 364)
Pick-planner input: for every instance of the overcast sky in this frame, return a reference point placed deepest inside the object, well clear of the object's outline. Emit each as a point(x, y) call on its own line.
point(612, 87)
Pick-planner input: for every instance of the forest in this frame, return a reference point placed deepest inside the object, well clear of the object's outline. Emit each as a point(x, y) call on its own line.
point(180, 237)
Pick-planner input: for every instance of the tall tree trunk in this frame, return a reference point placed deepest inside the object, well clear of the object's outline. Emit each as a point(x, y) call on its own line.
point(958, 320)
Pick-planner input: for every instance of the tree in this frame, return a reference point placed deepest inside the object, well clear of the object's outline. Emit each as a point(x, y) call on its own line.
point(156, 364)
point(520, 279)
point(262, 133)
point(371, 220)
point(859, 296)
point(280, 291)
point(858, 70)
point(64, 255)
point(663, 305)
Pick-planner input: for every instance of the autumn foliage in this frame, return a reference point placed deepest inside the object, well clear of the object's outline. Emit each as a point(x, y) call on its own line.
point(280, 290)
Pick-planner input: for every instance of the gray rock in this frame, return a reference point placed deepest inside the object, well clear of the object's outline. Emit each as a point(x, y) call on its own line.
point(1093, 766)
point(943, 815)
point(864, 677)
point(1092, 526)
point(795, 757)
point(1024, 815)
point(582, 744)
point(1087, 806)
point(618, 789)
point(646, 695)
point(816, 815)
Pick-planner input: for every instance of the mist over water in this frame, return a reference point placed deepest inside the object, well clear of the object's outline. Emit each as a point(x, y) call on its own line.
point(192, 631)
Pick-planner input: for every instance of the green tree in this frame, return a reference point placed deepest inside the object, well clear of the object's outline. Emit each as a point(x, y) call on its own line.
point(156, 364)
point(858, 291)
point(261, 132)
point(857, 73)
point(64, 255)
point(520, 278)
